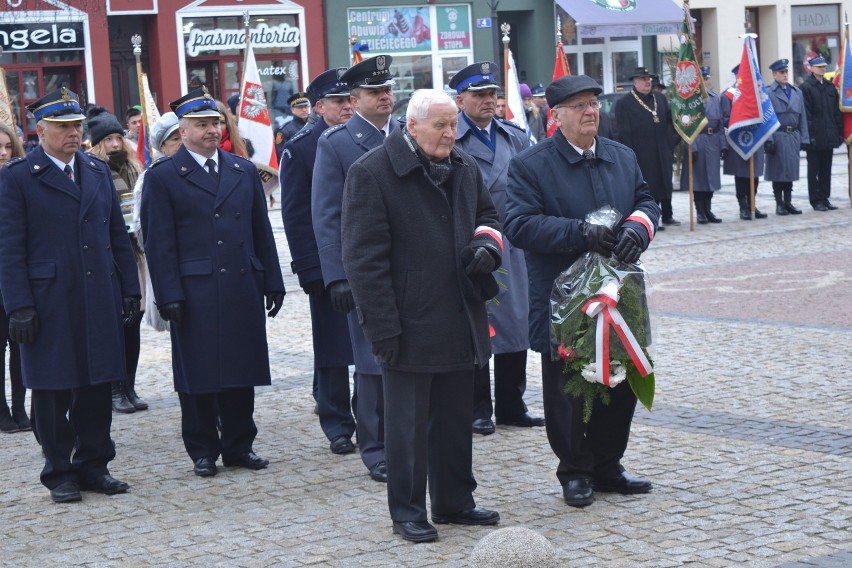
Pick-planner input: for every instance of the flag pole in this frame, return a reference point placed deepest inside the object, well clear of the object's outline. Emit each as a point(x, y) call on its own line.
point(751, 182)
point(136, 40)
point(505, 27)
point(691, 193)
point(848, 146)
point(246, 19)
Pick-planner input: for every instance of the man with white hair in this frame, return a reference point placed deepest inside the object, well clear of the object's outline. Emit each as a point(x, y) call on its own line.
point(422, 239)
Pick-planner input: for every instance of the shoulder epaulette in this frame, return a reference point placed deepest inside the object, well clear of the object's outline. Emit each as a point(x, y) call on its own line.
point(90, 155)
point(329, 131)
point(160, 160)
point(14, 161)
point(300, 134)
point(514, 124)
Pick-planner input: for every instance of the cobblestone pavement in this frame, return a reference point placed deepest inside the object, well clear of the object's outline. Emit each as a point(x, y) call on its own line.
point(749, 444)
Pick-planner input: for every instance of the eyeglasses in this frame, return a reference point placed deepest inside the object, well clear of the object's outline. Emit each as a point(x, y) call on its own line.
point(595, 104)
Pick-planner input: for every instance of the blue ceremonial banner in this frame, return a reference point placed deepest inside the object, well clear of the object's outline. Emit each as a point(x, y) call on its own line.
point(753, 120)
point(844, 74)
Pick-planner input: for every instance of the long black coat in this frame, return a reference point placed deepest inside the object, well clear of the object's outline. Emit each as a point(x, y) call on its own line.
point(402, 256)
point(651, 141)
point(332, 346)
point(212, 248)
point(825, 121)
point(64, 250)
point(551, 189)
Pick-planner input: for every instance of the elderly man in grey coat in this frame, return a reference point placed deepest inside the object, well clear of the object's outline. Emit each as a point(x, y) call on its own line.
point(421, 241)
point(782, 150)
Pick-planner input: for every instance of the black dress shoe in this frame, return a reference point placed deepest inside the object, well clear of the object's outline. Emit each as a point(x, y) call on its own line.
point(525, 420)
point(248, 460)
point(792, 210)
point(625, 484)
point(475, 516)
point(781, 209)
point(106, 484)
point(66, 492)
point(483, 426)
point(759, 215)
point(820, 207)
point(701, 219)
point(671, 222)
point(829, 206)
point(205, 467)
point(415, 531)
point(712, 218)
point(578, 492)
point(342, 445)
point(379, 472)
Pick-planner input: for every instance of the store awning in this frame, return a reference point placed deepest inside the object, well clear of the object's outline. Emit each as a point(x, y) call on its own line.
point(619, 18)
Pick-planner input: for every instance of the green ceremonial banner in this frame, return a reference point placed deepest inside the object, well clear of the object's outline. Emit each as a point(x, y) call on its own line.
point(688, 103)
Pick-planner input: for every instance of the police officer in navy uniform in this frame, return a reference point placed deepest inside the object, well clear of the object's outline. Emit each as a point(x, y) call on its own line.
point(492, 143)
point(300, 106)
point(782, 150)
point(69, 281)
point(370, 83)
point(213, 263)
point(332, 346)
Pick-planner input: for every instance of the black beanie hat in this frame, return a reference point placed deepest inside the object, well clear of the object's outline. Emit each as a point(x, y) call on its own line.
point(102, 123)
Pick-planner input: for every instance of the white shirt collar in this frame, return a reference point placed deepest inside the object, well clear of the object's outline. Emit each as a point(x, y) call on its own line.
point(60, 164)
point(580, 150)
point(202, 160)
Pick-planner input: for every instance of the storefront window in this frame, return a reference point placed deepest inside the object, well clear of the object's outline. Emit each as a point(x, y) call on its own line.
point(429, 44)
point(816, 31)
point(623, 64)
point(215, 49)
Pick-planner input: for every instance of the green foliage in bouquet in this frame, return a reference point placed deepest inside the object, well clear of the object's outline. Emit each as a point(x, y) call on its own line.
point(573, 332)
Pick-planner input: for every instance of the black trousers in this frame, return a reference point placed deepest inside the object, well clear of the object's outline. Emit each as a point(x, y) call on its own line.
point(666, 208)
point(427, 433)
point(198, 423)
point(585, 450)
point(369, 415)
point(74, 421)
point(819, 175)
point(132, 345)
point(510, 384)
point(333, 405)
point(742, 185)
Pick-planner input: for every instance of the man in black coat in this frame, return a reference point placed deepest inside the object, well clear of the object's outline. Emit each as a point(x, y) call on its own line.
point(644, 124)
point(213, 264)
point(825, 127)
point(552, 187)
point(332, 346)
point(421, 241)
point(69, 281)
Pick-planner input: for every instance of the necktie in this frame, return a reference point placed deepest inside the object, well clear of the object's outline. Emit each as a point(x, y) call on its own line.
point(211, 167)
point(69, 172)
point(589, 156)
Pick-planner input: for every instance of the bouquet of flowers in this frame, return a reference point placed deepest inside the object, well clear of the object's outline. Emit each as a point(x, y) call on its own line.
point(594, 297)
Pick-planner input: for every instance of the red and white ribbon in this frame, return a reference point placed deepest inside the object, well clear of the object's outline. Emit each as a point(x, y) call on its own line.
point(603, 306)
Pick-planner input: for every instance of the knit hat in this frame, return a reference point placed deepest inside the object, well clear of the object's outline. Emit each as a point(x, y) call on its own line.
point(525, 90)
point(102, 123)
point(163, 128)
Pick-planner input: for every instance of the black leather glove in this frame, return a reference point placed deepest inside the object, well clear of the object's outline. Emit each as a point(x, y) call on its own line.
point(387, 350)
point(172, 312)
point(723, 152)
point(629, 245)
point(314, 287)
point(273, 303)
point(769, 148)
point(341, 296)
point(599, 239)
point(23, 325)
point(480, 262)
point(131, 307)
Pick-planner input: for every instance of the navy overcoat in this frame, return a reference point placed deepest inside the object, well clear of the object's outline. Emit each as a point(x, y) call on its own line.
point(332, 346)
point(64, 251)
point(211, 247)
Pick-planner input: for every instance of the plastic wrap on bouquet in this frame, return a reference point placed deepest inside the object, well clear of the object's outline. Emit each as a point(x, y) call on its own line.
point(600, 325)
